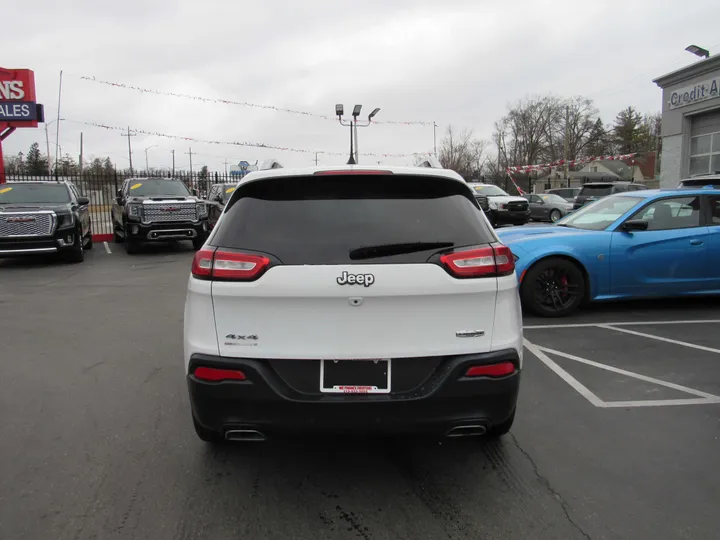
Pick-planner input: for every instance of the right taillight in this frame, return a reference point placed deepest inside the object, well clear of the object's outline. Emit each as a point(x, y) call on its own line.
point(494, 260)
point(228, 266)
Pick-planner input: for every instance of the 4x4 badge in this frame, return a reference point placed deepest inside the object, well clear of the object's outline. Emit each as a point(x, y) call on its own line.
point(356, 279)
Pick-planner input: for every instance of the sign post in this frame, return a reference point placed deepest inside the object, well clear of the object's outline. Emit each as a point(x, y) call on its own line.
point(18, 105)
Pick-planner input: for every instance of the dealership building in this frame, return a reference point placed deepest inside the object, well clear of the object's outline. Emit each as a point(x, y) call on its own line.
point(690, 121)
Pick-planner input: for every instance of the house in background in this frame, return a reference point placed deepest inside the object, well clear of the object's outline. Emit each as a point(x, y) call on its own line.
point(640, 169)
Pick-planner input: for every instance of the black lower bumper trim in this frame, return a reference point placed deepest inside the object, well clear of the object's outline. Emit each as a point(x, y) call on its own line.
point(264, 402)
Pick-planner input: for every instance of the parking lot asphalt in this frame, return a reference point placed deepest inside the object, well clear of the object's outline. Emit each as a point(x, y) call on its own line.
point(617, 433)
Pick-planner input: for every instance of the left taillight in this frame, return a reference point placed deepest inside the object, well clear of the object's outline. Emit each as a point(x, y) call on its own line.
point(493, 260)
point(216, 264)
point(491, 370)
point(217, 375)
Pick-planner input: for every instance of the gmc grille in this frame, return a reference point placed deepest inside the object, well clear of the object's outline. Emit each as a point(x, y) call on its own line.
point(482, 202)
point(517, 206)
point(166, 212)
point(15, 224)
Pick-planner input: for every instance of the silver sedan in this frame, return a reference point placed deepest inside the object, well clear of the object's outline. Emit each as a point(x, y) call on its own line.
point(548, 207)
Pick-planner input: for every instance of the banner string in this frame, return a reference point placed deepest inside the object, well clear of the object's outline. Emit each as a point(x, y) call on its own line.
point(240, 103)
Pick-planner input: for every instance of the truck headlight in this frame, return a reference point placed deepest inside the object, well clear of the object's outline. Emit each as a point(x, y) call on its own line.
point(202, 210)
point(65, 221)
point(134, 211)
point(492, 205)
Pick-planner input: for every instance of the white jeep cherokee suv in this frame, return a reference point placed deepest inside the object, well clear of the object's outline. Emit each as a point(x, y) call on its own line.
point(352, 299)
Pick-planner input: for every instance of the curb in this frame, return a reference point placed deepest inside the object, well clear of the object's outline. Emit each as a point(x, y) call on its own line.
point(102, 237)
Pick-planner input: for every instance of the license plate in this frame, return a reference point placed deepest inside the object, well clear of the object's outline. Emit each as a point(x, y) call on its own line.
point(355, 376)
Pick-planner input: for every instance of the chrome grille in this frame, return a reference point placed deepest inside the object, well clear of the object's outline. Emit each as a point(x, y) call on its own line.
point(14, 224)
point(517, 206)
point(165, 212)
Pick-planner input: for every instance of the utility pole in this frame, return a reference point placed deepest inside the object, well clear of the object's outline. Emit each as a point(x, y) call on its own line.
point(47, 143)
point(81, 153)
point(190, 153)
point(226, 164)
point(435, 138)
point(567, 119)
point(173, 154)
point(316, 158)
point(128, 135)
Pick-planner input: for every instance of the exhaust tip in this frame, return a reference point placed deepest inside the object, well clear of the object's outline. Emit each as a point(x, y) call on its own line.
point(244, 435)
point(471, 430)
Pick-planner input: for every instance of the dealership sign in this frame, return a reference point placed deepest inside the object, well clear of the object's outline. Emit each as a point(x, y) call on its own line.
point(696, 93)
point(18, 106)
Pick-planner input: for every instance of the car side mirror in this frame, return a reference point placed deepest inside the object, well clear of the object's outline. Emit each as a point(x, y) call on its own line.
point(83, 201)
point(194, 192)
point(119, 200)
point(635, 225)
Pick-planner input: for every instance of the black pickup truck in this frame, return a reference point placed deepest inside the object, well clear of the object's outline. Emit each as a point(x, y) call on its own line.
point(44, 217)
point(158, 210)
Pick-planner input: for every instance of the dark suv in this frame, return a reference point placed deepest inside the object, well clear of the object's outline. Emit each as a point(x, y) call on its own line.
point(44, 217)
point(701, 180)
point(593, 191)
point(156, 210)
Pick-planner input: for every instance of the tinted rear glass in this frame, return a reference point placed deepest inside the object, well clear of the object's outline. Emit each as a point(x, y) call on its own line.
point(321, 219)
point(596, 191)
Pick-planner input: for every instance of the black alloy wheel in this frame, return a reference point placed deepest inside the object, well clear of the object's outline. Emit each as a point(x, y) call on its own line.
point(554, 287)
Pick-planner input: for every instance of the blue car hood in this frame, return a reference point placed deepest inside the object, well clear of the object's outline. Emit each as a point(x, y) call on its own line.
point(524, 236)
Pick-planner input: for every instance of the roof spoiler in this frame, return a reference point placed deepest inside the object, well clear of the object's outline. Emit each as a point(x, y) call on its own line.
point(430, 162)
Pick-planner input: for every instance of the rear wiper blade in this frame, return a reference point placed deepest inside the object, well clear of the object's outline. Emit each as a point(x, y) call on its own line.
point(387, 250)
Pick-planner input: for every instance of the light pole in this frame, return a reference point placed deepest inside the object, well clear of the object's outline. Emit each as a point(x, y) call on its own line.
point(47, 144)
point(339, 111)
point(698, 51)
point(147, 167)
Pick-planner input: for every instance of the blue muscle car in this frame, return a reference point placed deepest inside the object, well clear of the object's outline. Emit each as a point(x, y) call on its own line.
point(650, 243)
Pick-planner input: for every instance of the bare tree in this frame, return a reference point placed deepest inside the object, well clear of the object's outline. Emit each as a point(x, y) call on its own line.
point(462, 153)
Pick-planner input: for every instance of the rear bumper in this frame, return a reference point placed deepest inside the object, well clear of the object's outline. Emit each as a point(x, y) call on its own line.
point(267, 403)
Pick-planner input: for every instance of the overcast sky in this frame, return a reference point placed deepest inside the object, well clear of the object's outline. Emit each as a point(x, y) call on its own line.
point(452, 61)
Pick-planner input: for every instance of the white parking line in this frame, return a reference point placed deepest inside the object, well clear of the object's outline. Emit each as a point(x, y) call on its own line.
point(660, 403)
point(107, 248)
point(564, 375)
point(632, 374)
point(629, 323)
point(660, 338)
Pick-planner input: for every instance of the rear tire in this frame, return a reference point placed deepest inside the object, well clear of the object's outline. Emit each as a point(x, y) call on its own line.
point(555, 216)
point(553, 287)
point(503, 428)
point(116, 237)
point(207, 435)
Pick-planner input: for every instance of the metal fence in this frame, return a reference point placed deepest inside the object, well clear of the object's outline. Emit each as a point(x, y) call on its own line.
point(101, 188)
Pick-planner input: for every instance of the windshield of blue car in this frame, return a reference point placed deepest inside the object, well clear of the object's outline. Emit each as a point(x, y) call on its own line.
point(489, 190)
point(158, 188)
point(34, 193)
point(601, 214)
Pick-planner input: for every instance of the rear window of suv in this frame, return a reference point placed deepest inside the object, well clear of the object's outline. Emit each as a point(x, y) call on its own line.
point(596, 191)
point(325, 219)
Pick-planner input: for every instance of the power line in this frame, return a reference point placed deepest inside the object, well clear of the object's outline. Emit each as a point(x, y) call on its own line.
point(238, 103)
point(234, 143)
